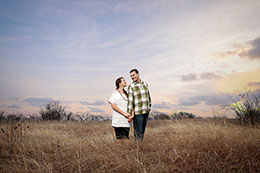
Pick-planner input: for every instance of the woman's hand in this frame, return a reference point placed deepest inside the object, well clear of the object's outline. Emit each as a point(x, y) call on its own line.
point(127, 115)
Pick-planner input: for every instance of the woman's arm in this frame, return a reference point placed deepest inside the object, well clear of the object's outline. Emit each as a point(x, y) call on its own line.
point(132, 116)
point(119, 110)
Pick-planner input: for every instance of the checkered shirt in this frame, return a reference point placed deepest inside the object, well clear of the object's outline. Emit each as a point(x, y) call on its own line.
point(139, 98)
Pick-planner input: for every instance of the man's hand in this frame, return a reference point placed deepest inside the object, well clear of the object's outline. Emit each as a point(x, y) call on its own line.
point(130, 118)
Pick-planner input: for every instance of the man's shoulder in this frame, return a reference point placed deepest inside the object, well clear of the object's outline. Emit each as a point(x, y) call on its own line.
point(132, 85)
point(145, 83)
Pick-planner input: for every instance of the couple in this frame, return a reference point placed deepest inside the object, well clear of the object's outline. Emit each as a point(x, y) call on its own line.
point(135, 104)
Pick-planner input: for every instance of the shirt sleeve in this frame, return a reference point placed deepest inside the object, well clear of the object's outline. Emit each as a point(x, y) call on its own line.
point(149, 95)
point(130, 104)
point(112, 99)
point(150, 100)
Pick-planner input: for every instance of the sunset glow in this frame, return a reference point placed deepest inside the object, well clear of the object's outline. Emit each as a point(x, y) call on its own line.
point(193, 54)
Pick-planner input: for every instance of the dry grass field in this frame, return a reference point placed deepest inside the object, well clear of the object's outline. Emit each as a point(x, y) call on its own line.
point(195, 145)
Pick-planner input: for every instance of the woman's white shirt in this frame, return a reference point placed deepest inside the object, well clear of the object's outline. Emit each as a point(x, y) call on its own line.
point(119, 120)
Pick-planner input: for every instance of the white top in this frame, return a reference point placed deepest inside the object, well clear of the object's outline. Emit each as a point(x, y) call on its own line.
point(119, 120)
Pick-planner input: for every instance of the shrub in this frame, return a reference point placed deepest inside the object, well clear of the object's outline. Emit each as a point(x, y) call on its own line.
point(2, 116)
point(159, 116)
point(247, 110)
point(182, 115)
point(14, 117)
point(53, 111)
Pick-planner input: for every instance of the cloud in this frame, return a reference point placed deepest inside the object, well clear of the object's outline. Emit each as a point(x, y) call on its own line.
point(33, 101)
point(254, 51)
point(67, 107)
point(257, 84)
point(256, 94)
point(201, 76)
point(95, 109)
point(250, 50)
point(96, 103)
point(225, 54)
point(16, 99)
point(189, 101)
point(189, 77)
point(162, 105)
point(14, 106)
point(207, 75)
point(210, 99)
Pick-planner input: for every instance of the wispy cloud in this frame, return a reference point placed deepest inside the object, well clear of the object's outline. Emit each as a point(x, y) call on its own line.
point(209, 99)
point(93, 109)
point(226, 54)
point(14, 106)
point(189, 77)
point(162, 105)
point(33, 101)
point(209, 75)
point(257, 84)
point(201, 76)
point(96, 103)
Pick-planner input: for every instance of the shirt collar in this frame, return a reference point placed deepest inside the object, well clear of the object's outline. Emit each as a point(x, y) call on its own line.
point(142, 82)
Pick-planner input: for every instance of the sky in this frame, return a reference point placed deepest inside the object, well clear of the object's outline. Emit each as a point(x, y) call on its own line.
point(195, 55)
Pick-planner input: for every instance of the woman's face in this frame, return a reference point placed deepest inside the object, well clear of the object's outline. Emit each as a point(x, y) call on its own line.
point(123, 82)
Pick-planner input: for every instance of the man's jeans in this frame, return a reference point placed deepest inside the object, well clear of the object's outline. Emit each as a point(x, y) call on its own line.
point(140, 122)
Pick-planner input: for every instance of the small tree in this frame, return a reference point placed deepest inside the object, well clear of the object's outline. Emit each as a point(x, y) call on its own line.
point(69, 116)
point(182, 115)
point(247, 110)
point(53, 111)
point(13, 117)
point(2, 116)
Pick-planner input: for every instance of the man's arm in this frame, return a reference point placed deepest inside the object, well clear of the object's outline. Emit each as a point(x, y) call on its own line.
point(150, 100)
point(149, 96)
point(130, 104)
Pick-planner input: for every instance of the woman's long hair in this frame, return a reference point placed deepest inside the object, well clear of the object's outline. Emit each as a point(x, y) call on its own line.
point(118, 81)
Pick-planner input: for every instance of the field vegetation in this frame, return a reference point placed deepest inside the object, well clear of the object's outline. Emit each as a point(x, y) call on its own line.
point(185, 145)
point(60, 141)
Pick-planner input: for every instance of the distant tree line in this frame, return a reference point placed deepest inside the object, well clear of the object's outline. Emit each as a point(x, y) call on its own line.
point(53, 111)
point(164, 116)
point(247, 111)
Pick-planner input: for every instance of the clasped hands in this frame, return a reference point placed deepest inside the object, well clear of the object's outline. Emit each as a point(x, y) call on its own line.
point(129, 116)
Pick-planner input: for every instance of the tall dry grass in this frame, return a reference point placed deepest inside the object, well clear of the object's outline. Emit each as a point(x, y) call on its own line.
point(169, 146)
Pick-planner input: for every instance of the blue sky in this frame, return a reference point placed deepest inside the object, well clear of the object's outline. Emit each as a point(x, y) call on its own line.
point(193, 54)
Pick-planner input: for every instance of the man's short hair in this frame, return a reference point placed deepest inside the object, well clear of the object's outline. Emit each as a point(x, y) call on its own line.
point(134, 70)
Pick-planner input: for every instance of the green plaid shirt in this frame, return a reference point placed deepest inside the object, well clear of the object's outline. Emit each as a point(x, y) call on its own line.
point(139, 98)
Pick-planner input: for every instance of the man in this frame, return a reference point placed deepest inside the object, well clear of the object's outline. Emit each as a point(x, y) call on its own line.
point(139, 103)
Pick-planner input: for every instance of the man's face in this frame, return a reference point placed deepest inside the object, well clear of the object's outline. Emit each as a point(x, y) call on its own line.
point(134, 76)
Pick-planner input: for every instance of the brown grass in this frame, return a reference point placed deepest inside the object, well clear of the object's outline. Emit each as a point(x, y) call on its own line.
point(169, 146)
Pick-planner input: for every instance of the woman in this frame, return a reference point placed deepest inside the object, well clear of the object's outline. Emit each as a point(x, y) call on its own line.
point(120, 119)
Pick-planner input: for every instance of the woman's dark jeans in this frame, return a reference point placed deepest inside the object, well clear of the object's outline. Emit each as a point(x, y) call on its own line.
point(122, 132)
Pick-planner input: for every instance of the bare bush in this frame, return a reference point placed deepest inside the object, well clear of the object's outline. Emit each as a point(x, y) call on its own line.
point(182, 115)
point(247, 110)
point(2, 116)
point(53, 111)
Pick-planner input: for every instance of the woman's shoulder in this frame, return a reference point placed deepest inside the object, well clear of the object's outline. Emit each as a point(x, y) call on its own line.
point(115, 92)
